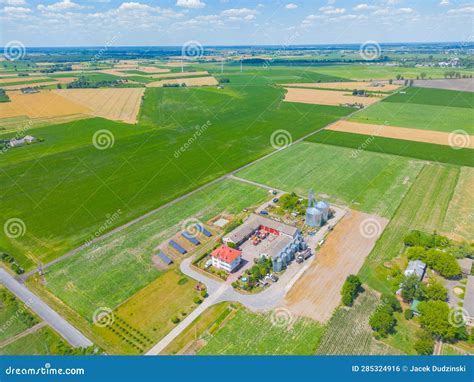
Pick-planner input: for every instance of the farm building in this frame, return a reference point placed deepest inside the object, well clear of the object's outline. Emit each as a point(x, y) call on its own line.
point(27, 139)
point(285, 239)
point(469, 301)
point(416, 267)
point(317, 213)
point(226, 258)
point(466, 266)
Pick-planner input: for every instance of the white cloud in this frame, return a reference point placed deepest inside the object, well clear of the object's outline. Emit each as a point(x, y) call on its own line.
point(444, 3)
point(460, 11)
point(61, 6)
point(13, 2)
point(330, 10)
point(363, 7)
point(133, 6)
point(291, 6)
point(195, 4)
point(16, 10)
point(238, 12)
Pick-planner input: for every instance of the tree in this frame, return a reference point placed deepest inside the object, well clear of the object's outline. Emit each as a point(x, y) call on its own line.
point(423, 75)
point(435, 319)
point(424, 345)
point(391, 301)
point(382, 320)
point(409, 287)
point(433, 291)
point(408, 314)
point(350, 289)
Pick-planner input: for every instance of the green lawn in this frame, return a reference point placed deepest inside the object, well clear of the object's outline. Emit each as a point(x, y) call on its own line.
point(369, 182)
point(424, 208)
point(121, 265)
point(425, 151)
point(14, 315)
point(424, 117)
point(42, 342)
point(437, 97)
point(254, 334)
point(348, 331)
point(64, 188)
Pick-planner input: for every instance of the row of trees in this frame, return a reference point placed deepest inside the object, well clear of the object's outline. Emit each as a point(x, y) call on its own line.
point(413, 289)
point(382, 320)
point(442, 262)
point(350, 289)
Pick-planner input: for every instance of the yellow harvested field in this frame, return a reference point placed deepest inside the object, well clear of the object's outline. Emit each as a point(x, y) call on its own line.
point(120, 104)
point(39, 105)
point(374, 86)
point(22, 79)
point(175, 64)
point(152, 69)
point(197, 81)
point(407, 134)
point(326, 97)
point(185, 74)
point(318, 291)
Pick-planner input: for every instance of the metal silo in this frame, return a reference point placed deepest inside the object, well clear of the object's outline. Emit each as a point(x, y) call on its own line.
point(324, 207)
point(314, 217)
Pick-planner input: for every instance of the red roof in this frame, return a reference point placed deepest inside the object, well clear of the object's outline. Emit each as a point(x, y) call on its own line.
point(226, 254)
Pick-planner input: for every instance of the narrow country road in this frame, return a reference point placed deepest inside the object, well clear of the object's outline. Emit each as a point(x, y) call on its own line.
point(33, 329)
point(53, 319)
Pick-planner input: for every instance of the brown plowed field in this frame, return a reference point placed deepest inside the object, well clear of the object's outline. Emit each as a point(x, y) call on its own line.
point(197, 81)
point(326, 97)
point(318, 292)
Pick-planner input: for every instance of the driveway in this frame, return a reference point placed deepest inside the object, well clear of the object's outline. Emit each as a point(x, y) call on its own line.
point(53, 319)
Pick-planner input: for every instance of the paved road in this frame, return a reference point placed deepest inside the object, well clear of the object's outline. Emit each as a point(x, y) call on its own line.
point(53, 319)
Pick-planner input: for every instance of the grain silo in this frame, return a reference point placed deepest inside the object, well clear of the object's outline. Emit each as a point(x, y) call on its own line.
point(324, 208)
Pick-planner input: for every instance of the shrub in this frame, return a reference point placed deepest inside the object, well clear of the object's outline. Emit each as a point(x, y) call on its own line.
point(410, 285)
point(175, 319)
point(350, 289)
point(197, 300)
point(424, 345)
point(382, 320)
point(408, 314)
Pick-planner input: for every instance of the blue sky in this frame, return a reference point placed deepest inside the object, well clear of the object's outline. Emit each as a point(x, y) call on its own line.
point(232, 22)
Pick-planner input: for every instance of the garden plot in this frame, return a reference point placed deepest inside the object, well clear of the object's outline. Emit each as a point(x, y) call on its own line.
point(326, 97)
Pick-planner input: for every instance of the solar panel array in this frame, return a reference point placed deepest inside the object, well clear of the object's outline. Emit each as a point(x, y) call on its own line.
point(176, 246)
point(190, 238)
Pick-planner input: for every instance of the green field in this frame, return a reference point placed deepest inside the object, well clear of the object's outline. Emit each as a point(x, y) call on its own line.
point(379, 72)
point(418, 150)
point(436, 97)
point(42, 342)
point(64, 188)
point(424, 208)
point(368, 181)
point(121, 265)
point(424, 117)
point(348, 331)
point(254, 334)
point(14, 316)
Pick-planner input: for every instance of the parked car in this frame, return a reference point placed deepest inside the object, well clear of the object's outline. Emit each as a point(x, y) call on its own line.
point(274, 278)
point(275, 200)
point(263, 212)
point(300, 259)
